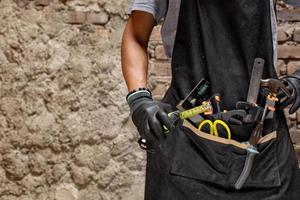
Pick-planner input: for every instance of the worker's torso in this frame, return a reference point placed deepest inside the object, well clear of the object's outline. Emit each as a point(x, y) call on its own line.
point(219, 40)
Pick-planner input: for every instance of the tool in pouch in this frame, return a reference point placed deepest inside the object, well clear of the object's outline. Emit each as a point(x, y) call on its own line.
point(221, 118)
point(209, 113)
point(190, 107)
point(252, 107)
point(177, 116)
point(213, 127)
point(195, 98)
point(272, 87)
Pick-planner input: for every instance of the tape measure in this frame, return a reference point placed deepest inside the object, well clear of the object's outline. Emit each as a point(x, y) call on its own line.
point(204, 108)
point(175, 116)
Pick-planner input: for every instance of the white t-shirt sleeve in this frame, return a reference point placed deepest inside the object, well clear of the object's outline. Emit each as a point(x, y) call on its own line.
point(158, 8)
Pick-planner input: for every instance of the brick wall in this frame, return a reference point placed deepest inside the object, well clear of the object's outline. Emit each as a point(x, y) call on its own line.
point(288, 60)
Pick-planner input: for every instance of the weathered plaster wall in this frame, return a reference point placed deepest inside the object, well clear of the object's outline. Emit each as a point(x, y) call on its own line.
point(64, 127)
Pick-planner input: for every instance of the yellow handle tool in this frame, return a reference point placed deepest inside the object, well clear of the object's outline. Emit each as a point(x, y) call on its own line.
point(205, 107)
point(214, 127)
point(177, 115)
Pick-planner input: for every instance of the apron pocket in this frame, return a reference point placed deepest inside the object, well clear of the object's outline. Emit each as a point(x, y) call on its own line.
point(241, 133)
point(220, 161)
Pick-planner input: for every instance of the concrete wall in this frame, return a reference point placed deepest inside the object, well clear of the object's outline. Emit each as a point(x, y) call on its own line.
point(64, 127)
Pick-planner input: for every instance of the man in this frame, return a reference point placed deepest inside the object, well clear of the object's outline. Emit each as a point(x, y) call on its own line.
point(216, 40)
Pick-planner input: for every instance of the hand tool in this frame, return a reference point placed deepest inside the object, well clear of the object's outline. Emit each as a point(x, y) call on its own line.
point(213, 127)
point(250, 106)
point(254, 85)
point(254, 112)
point(216, 103)
point(273, 86)
point(192, 105)
point(195, 97)
point(204, 108)
point(233, 116)
point(178, 116)
point(252, 148)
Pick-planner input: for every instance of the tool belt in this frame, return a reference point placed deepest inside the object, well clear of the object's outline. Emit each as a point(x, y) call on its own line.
point(204, 135)
point(217, 145)
point(224, 155)
point(207, 114)
point(233, 142)
point(219, 161)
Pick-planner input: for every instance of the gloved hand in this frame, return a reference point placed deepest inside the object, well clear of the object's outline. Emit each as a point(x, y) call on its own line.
point(149, 116)
point(293, 85)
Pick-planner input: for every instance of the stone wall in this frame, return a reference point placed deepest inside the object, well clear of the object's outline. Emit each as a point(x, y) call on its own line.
point(64, 127)
point(289, 55)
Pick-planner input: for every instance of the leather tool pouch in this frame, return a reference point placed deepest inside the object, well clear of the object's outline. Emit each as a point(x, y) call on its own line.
point(219, 161)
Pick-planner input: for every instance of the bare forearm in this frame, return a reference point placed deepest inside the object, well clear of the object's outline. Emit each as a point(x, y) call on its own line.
point(134, 51)
point(134, 63)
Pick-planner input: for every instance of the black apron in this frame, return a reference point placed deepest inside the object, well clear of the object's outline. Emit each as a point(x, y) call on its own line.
point(219, 40)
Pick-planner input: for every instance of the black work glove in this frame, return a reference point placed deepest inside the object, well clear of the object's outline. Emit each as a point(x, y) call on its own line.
point(293, 85)
point(149, 117)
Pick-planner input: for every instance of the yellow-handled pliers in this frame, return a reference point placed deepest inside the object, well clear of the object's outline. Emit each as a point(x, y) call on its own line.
point(214, 127)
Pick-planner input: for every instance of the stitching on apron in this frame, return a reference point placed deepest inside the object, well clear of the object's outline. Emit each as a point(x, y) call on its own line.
point(204, 135)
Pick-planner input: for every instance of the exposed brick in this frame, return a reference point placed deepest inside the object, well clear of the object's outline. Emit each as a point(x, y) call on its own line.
point(76, 17)
point(159, 89)
point(297, 150)
point(295, 135)
point(289, 15)
point(294, 3)
point(102, 32)
point(288, 120)
point(287, 52)
point(97, 18)
point(297, 35)
point(160, 53)
point(155, 35)
point(42, 2)
point(161, 68)
point(289, 30)
point(293, 117)
point(163, 79)
point(281, 68)
point(292, 67)
point(282, 35)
